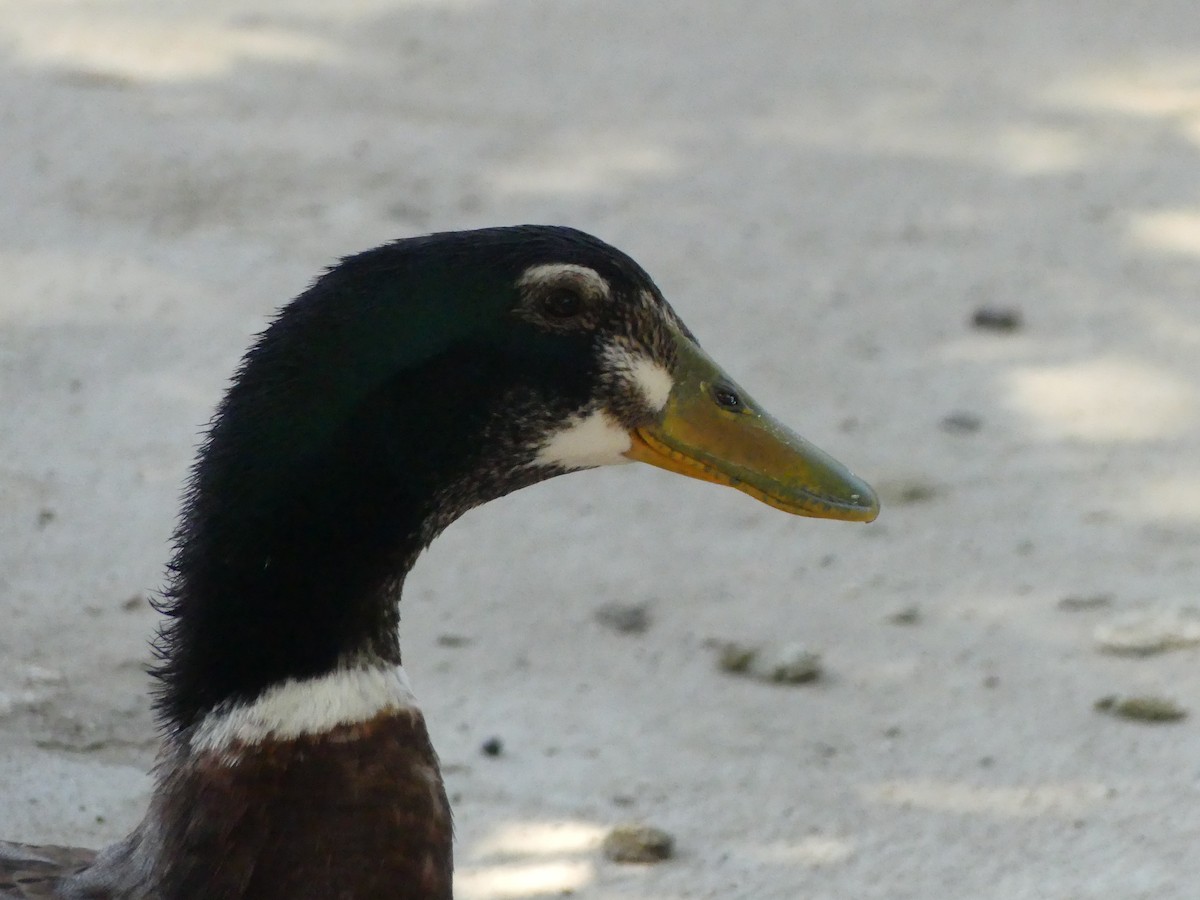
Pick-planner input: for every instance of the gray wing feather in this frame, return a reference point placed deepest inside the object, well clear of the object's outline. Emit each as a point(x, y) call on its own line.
point(29, 872)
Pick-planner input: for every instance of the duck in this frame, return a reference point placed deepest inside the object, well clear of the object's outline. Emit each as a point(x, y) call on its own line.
point(407, 385)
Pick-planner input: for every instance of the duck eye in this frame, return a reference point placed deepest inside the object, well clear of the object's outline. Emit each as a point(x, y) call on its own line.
point(727, 398)
point(562, 303)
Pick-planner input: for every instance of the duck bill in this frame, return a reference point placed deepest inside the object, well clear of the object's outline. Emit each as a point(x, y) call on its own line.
point(699, 433)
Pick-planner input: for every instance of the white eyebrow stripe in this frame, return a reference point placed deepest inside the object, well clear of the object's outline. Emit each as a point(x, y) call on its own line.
point(649, 376)
point(592, 280)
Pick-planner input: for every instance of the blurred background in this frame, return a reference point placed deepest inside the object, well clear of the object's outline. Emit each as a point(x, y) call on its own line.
point(956, 244)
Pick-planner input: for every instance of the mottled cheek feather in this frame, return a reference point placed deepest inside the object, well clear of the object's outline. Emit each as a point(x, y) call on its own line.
point(311, 706)
point(558, 272)
point(650, 377)
point(586, 442)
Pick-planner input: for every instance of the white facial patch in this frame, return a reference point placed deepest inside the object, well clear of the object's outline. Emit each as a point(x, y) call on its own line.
point(565, 273)
point(650, 377)
point(312, 706)
point(585, 443)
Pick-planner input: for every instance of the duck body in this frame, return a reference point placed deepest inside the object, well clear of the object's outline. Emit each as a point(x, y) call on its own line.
point(408, 385)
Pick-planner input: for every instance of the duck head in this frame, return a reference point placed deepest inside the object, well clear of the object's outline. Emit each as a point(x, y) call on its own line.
point(409, 384)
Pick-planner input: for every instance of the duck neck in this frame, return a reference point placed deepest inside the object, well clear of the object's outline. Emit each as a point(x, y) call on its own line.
point(289, 589)
point(304, 517)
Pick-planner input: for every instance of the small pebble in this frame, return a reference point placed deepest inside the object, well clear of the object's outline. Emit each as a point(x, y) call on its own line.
point(1080, 602)
point(493, 746)
point(638, 844)
point(791, 663)
point(45, 517)
point(1147, 632)
point(735, 658)
point(624, 618)
point(908, 615)
point(1142, 709)
point(995, 318)
point(132, 602)
point(453, 640)
point(961, 423)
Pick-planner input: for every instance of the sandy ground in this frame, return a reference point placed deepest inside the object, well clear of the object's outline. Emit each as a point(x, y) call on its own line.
point(827, 192)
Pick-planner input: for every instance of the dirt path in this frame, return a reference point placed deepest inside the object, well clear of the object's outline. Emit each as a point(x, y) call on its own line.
point(827, 193)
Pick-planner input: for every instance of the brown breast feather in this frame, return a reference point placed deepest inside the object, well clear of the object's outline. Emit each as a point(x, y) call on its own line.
point(355, 813)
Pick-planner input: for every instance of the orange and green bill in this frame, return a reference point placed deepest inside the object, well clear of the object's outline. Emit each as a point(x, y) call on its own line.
point(712, 430)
